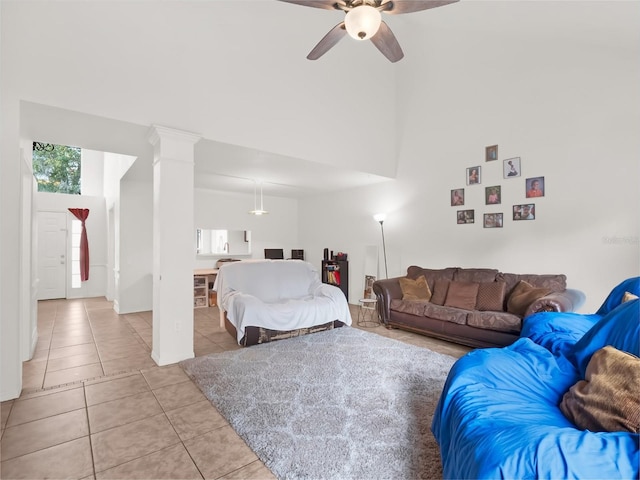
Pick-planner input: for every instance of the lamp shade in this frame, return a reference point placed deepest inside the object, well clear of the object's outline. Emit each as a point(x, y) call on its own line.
point(362, 22)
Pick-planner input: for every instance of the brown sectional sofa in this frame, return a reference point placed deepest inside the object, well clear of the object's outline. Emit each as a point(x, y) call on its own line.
point(488, 319)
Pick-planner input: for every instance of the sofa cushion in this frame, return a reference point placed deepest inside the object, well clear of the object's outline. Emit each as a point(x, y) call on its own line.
point(619, 328)
point(556, 283)
point(422, 308)
point(498, 321)
point(462, 295)
point(440, 291)
point(431, 274)
point(475, 275)
point(631, 285)
point(491, 296)
point(446, 314)
point(415, 289)
point(607, 399)
point(523, 295)
point(414, 307)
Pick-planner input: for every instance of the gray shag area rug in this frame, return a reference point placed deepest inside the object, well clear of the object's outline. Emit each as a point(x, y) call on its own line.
point(340, 404)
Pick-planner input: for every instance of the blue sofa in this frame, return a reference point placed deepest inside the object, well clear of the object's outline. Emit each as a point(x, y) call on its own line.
point(499, 415)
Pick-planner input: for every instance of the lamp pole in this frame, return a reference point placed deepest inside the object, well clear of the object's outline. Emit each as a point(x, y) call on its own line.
point(384, 250)
point(380, 217)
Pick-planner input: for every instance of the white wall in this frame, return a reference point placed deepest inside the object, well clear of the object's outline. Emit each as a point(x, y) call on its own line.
point(115, 167)
point(227, 210)
point(135, 257)
point(204, 67)
point(28, 257)
point(92, 172)
point(552, 82)
point(566, 104)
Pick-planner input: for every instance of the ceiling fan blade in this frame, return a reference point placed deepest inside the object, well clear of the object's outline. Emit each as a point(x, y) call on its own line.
point(386, 42)
point(325, 4)
point(328, 41)
point(396, 7)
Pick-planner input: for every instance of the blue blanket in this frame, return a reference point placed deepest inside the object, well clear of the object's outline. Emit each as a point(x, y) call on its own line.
point(498, 416)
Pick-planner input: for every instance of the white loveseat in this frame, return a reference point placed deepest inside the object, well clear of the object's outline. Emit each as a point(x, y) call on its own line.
point(265, 300)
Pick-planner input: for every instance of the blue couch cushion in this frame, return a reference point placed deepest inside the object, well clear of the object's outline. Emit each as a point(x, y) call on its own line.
point(631, 285)
point(498, 417)
point(619, 328)
point(558, 332)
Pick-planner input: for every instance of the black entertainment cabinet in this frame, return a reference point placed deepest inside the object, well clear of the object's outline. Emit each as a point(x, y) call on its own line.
point(336, 272)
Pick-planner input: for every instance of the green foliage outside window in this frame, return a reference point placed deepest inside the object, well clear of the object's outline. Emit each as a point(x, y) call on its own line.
point(57, 171)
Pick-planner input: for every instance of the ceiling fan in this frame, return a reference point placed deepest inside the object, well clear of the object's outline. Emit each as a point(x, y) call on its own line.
point(363, 21)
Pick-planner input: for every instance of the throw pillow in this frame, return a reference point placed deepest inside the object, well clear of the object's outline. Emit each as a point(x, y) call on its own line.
point(440, 289)
point(415, 289)
point(462, 295)
point(491, 296)
point(607, 399)
point(522, 296)
point(628, 296)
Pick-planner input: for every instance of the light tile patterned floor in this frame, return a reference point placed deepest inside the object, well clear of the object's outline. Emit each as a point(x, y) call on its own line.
point(95, 406)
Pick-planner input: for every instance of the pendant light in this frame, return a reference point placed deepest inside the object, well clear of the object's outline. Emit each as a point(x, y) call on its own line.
point(256, 210)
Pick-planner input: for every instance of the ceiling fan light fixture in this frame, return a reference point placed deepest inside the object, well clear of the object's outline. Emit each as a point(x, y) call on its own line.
point(362, 22)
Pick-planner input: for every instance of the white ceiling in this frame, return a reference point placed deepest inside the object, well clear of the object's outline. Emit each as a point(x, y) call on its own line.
point(346, 99)
point(221, 166)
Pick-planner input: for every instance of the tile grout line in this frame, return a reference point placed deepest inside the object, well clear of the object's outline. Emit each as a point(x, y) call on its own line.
point(4, 429)
point(77, 382)
point(173, 426)
point(86, 410)
point(53, 327)
point(53, 324)
point(95, 343)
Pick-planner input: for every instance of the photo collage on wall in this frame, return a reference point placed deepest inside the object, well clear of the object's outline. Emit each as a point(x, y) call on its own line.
point(534, 187)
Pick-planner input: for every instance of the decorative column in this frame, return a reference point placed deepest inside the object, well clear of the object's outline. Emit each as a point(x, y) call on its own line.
point(173, 244)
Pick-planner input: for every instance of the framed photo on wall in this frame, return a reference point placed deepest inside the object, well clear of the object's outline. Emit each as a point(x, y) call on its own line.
point(465, 216)
point(473, 175)
point(526, 211)
point(492, 220)
point(457, 197)
point(493, 195)
point(491, 153)
point(511, 167)
point(535, 187)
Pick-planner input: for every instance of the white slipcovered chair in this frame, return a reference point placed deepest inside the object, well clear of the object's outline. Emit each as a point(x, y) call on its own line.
point(264, 300)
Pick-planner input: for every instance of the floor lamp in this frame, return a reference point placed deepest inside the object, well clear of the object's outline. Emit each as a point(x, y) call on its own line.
point(380, 219)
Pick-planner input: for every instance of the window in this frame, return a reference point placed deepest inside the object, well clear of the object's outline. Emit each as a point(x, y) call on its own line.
point(56, 168)
point(76, 232)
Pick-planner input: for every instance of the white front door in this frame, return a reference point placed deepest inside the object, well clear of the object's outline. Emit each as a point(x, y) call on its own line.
point(52, 255)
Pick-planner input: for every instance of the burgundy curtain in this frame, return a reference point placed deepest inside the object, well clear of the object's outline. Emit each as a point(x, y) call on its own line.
point(82, 214)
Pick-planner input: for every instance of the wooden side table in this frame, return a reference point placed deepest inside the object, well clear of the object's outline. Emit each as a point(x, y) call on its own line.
point(368, 313)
